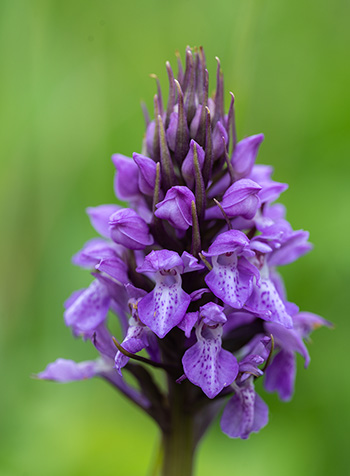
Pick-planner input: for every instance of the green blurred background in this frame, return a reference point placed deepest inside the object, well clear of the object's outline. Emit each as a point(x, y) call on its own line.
point(72, 77)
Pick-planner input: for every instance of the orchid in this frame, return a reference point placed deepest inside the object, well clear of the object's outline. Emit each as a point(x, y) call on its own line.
point(189, 269)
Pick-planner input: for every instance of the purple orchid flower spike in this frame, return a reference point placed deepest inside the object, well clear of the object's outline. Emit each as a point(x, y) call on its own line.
point(205, 318)
point(166, 305)
point(206, 364)
point(232, 276)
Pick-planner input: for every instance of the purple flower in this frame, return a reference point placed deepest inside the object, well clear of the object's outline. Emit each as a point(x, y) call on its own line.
point(166, 305)
point(176, 207)
point(126, 178)
point(241, 199)
point(245, 413)
point(63, 370)
point(232, 276)
point(206, 364)
point(129, 229)
point(244, 155)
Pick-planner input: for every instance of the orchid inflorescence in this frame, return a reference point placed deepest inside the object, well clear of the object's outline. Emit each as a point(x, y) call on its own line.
point(189, 268)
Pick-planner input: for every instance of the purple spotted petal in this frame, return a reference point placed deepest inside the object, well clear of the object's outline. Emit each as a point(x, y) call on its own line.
point(89, 310)
point(228, 282)
point(245, 413)
point(244, 155)
point(99, 217)
point(265, 301)
point(207, 365)
point(165, 307)
point(63, 370)
point(280, 375)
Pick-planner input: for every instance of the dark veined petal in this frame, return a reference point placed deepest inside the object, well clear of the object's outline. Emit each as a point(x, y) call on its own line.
point(209, 366)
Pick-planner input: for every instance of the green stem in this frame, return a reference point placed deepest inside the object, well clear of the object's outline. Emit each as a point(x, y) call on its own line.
point(178, 441)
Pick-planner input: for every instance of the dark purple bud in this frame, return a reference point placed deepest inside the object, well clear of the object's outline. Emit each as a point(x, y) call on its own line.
point(188, 169)
point(129, 229)
point(218, 143)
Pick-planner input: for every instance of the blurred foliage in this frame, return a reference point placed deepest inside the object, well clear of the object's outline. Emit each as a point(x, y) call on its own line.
point(72, 75)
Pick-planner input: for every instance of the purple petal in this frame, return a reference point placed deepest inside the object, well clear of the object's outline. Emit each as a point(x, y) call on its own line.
point(291, 249)
point(241, 199)
point(212, 314)
point(99, 217)
point(244, 155)
point(188, 322)
point(207, 365)
point(147, 175)
point(176, 207)
point(92, 253)
point(245, 413)
point(219, 140)
point(190, 263)
point(229, 242)
point(165, 307)
point(288, 340)
point(127, 177)
point(130, 230)
point(187, 169)
point(265, 301)
point(89, 310)
point(135, 340)
point(63, 371)
point(280, 375)
point(229, 284)
point(114, 267)
point(158, 260)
